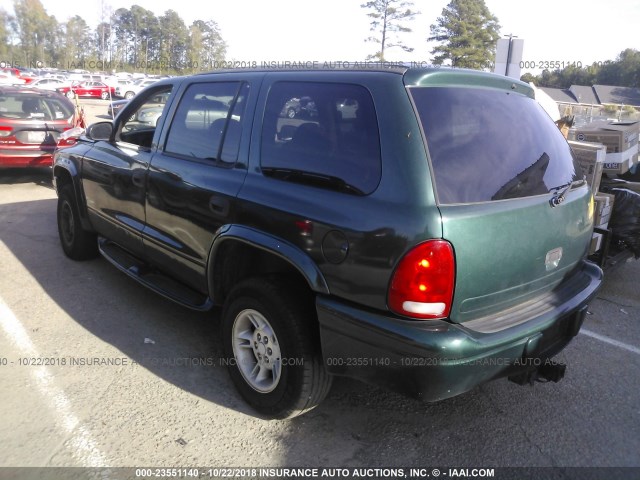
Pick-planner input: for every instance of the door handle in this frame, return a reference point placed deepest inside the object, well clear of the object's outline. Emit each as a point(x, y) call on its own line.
point(219, 205)
point(138, 178)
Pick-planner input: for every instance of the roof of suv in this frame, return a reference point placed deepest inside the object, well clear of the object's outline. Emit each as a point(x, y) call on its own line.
point(428, 76)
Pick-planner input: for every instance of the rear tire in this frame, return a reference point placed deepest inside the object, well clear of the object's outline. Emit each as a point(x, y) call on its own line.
point(77, 243)
point(271, 341)
point(71, 95)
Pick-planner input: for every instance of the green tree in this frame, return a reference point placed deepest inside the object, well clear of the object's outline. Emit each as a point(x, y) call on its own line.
point(103, 34)
point(529, 77)
point(173, 40)
point(5, 34)
point(551, 78)
point(76, 40)
point(37, 32)
point(574, 75)
point(215, 48)
point(136, 34)
point(194, 47)
point(122, 26)
point(132, 38)
point(102, 41)
point(143, 35)
point(387, 23)
point(467, 33)
point(625, 71)
point(206, 45)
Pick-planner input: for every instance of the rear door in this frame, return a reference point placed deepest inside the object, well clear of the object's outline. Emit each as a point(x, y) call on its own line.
point(196, 175)
point(512, 200)
point(81, 90)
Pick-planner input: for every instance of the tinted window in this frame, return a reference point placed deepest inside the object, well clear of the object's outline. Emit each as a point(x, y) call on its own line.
point(323, 134)
point(491, 145)
point(207, 122)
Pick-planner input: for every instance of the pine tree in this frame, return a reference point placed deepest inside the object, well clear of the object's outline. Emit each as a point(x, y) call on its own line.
point(388, 16)
point(467, 32)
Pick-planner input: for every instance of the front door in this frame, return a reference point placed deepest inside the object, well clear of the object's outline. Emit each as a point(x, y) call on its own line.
point(114, 175)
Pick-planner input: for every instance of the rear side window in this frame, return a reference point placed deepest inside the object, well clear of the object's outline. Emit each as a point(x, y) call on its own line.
point(491, 145)
point(206, 124)
point(322, 134)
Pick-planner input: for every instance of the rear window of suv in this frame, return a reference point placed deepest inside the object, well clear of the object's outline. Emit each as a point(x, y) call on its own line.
point(489, 145)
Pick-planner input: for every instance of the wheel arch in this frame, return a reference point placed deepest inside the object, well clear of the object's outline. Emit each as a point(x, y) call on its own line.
point(240, 252)
point(65, 172)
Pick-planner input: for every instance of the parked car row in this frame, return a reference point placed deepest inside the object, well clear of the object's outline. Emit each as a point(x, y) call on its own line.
point(97, 89)
point(33, 117)
point(78, 84)
point(15, 76)
point(149, 114)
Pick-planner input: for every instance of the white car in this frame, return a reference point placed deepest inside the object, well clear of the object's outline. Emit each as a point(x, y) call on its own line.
point(131, 90)
point(10, 80)
point(51, 84)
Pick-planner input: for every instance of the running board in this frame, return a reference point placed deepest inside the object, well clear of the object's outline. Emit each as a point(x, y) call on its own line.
point(152, 278)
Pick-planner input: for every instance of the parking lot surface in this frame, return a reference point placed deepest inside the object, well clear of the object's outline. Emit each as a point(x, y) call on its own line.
point(96, 370)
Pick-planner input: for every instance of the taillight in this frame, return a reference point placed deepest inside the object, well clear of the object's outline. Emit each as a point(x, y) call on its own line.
point(422, 284)
point(5, 131)
point(69, 136)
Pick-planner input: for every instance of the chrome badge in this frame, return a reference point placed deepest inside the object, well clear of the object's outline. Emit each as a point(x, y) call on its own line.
point(552, 260)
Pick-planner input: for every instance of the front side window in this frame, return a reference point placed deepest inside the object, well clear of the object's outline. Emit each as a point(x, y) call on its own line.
point(489, 145)
point(322, 134)
point(139, 127)
point(206, 124)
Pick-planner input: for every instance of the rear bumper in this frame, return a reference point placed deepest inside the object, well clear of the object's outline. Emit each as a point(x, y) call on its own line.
point(26, 158)
point(434, 360)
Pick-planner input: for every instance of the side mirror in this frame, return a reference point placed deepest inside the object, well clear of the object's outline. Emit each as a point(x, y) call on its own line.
point(99, 131)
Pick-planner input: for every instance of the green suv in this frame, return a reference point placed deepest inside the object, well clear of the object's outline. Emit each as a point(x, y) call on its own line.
point(424, 230)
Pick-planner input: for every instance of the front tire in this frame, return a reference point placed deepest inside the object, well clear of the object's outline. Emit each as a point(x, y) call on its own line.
point(77, 243)
point(271, 342)
point(129, 95)
point(104, 95)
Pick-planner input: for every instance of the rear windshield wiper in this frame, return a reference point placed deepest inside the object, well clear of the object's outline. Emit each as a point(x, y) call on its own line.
point(561, 191)
point(312, 178)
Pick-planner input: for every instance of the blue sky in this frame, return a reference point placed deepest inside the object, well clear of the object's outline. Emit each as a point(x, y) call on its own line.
point(334, 30)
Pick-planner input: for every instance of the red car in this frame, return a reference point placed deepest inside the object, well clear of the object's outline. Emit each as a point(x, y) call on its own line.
point(30, 123)
point(14, 72)
point(88, 89)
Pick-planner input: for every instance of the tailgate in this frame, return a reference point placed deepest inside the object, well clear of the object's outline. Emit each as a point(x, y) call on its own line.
point(513, 201)
point(512, 251)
